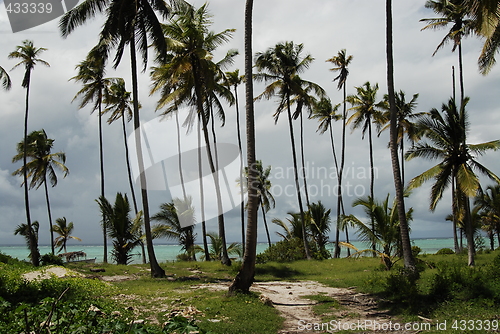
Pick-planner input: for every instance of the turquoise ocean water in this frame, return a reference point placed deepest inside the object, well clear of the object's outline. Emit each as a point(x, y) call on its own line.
point(169, 252)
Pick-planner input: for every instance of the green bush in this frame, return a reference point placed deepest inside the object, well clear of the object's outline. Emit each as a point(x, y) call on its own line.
point(445, 251)
point(289, 251)
point(49, 258)
point(415, 250)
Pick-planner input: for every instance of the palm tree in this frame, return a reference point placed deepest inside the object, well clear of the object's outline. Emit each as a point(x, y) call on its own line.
point(216, 247)
point(367, 111)
point(120, 227)
point(42, 165)
point(245, 276)
point(30, 234)
point(5, 79)
point(409, 261)
point(386, 232)
point(293, 226)
point(326, 113)
point(341, 61)
point(91, 73)
point(29, 56)
point(265, 197)
point(487, 202)
point(192, 78)
point(447, 133)
point(234, 79)
point(320, 226)
point(454, 13)
point(281, 65)
point(176, 222)
point(64, 229)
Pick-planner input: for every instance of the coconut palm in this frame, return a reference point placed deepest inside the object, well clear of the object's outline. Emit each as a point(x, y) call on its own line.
point(367, 111)
point(234, 79)
point(119, 227)
point(386, 232)
point(216, 247)
point(29, 56)
point(91, 73)
point(446, 132)
point(487, 202)
point(64, 229)
point(5, 79)
point(293, 226)
point(176, 222)
point(191, 78)
point(282, 65)
point(320, 226)
point(454, 13)
point(30, 234)
point(135, 24)
point(245, 276)
point(42, 166)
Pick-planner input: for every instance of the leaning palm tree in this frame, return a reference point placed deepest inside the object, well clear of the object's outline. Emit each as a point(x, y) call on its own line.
point(245, 276)
point(5, 79)
point(64, 229)
point(29, 56)
point(281, 65)
point(341, 61)
point(30, 234)
point(367, 111)
point(91, 73)
point(234, 79)
point(191, 78)
point(120, 227)
point(454, 13)
point(135, 24)
point(42, 166)
point(176, 222)
point(446, 132)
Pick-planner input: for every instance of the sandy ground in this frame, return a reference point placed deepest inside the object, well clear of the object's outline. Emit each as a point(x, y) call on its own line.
point(49, 272)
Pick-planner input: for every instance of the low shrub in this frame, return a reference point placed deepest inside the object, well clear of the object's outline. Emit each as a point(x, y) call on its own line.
point(289, 251)
point(49, 258)
point(445, 251)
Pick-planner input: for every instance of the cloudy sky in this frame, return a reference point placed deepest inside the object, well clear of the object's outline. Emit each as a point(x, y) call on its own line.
point(324, 27)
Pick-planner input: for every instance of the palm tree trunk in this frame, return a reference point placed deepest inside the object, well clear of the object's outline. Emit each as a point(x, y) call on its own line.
point(242, 195)
point(306, 191)
point(297, 186)
point(101, 164)
point(179, 153)
point(454, 212)
point(336, 253)
point(202, 197)
point(372, 181)
point(342, 163)
point(32, 240)
point(469, 231)
point(265, 223)
point(156, 270)
point(49, 213)
point(245, 276)
point(409, 261)
point(461, 74)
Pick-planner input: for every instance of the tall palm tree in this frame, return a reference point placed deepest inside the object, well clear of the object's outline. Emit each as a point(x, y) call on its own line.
point(325, 113)
point(30, 234)
point(29, 56)
point(245, 276)
point(282, 65)
point(367, 111)
point(446, 132)
point(454, 13)
point(5, 79)
point(341, 62)
point(91, 73)
point(64, 229)
point(42, 166)
point(176, 222)
point(120, 227)
point(192, 78)
point(130, 23)
point(234, 79)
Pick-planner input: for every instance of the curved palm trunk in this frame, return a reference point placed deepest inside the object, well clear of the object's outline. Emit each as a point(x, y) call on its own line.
point(242, 195)
point(372, 180)
point(202, 197)
point(336, 253)
point(306, 191)
point(179, 153)
point(156, 270)
point(297, 186)
point(32, 239)
point(101, 164)
point(409, 261)
point(265, 223)
point(49, 213)
point(245, 276)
